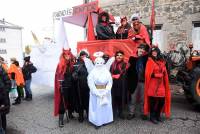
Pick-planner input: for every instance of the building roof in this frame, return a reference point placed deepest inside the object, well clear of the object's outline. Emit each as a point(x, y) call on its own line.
point(6, 24)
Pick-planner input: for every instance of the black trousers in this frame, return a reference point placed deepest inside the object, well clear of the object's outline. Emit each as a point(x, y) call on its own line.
point(63, 105)
point(18, 99)
point(156, 106)
point(65, 102)
point(3, 121)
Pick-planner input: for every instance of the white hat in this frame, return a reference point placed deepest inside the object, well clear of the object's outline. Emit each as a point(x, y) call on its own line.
point(135, 16)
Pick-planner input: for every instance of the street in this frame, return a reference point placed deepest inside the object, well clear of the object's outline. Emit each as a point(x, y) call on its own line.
point(36, 117)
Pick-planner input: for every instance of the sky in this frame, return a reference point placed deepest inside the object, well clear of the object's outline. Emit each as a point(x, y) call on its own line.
point(34, 15)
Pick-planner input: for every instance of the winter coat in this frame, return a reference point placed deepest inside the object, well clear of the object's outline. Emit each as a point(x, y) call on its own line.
point(18, 74)
point(122, 32)
point(136, 71)
point(27, 70)
point(157, 85)
point(5, 86)
point(104, 31)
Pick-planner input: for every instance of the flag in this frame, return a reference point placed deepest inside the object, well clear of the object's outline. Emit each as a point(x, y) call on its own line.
point(152, 20)
point(35, 38)
point(60, 35)
point(90, 32)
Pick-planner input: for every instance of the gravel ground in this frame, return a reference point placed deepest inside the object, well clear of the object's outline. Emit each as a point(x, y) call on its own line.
point(36, 117)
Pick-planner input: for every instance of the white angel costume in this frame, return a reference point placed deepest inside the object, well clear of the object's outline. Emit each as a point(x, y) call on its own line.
point(100, 84)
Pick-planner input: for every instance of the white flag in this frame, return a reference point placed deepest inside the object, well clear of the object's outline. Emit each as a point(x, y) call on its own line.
point(60, 34)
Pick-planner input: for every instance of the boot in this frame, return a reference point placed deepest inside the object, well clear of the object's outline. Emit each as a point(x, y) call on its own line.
point(159, 109)
point(61, 120)
point(80, 118)
point(153, 118)
point(122, 115)
point(130, 116)
point(159, 119)
point(70, 115)
point(17, 101)
point(30, 96)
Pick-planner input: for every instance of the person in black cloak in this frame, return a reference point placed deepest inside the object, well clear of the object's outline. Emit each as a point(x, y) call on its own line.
point(103, 28)
point(136, 79)
point(119, 90)
point(80, 76)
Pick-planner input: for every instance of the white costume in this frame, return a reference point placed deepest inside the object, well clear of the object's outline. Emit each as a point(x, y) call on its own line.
point(100, 84)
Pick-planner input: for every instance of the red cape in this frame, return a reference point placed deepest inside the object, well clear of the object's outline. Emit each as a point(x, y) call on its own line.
point(59, 75)
point(143, 35)
point(57, 91)
point(148, 73)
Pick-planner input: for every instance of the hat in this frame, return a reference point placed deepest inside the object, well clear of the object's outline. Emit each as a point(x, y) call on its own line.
point(105, 56)
point(27, 58)
point(144, 46)
point(135, 17)
point(83, 52)
point(155, 49)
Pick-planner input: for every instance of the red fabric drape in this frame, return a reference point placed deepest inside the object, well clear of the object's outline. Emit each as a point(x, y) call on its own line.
point(152, 20)
point(90, 32)
point(109, 47)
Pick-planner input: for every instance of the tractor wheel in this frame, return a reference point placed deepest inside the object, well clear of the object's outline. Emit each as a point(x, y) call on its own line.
point(195, 85)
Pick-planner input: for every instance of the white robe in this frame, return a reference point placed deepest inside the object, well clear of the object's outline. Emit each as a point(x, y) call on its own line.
point(100, 103)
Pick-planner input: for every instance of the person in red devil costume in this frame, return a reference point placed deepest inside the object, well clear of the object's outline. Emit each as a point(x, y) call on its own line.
point(64, 98)
point(138, 32)
point(157, 97)
point(119, 89)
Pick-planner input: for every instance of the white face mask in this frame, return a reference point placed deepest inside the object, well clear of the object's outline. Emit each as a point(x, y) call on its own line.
point(99, 62)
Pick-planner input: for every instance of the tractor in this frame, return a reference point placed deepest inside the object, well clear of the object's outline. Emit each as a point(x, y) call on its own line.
point(189, 76)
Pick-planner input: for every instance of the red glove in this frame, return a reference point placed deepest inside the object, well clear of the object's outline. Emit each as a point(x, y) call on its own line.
point(116, 76)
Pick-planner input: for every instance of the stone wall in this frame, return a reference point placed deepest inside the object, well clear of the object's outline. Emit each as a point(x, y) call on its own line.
point(176, 16)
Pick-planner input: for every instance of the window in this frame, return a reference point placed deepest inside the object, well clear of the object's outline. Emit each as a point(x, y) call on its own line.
point(196, 35)
point(3, 51)
point(157, 36)
point(2, 40)
point(2, 29)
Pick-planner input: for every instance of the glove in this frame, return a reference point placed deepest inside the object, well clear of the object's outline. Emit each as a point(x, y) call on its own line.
point(116, 76)
point(133, 38)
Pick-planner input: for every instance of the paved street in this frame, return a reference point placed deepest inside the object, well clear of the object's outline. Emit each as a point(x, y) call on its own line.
point(36, 117)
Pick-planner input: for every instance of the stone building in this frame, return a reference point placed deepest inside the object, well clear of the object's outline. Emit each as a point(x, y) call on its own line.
point(177, 21)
